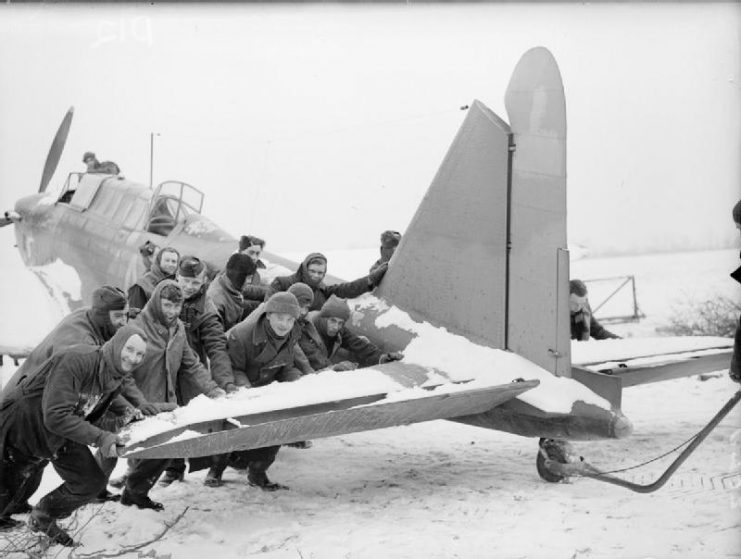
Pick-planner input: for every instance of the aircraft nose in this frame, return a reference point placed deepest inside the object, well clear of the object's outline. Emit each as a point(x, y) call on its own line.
point(622, 427)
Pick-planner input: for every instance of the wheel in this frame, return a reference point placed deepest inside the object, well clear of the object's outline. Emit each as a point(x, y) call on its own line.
point(554, 450)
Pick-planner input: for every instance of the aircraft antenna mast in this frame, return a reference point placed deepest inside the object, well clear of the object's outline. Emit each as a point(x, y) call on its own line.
point(151, 156)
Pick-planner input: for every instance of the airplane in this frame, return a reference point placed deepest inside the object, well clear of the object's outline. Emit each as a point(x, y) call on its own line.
point(476, 295)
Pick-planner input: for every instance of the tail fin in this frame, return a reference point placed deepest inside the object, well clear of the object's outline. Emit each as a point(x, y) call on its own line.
point(485, 255)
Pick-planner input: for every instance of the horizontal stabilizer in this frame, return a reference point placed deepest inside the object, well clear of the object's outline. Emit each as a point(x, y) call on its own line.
point(326, 419)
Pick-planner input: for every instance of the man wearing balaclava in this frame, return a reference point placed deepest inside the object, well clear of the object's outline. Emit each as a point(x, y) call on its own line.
point(92, 325)
point(583, 323)
point(225, 291)
point(164, 266)
point(312, 272)
point(253, 291)
point(389, 241)
point(168, 358)
point(51, 416)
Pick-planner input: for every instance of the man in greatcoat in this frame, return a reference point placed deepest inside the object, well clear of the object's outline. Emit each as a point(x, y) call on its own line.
point(169, 357)
point(225, 291)
point(51, 415)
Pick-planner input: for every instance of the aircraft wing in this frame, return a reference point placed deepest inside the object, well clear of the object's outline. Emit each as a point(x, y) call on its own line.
point(383, 396)
point(643, 360)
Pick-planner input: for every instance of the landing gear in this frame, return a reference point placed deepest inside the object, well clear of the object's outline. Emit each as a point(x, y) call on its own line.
point(552, 449)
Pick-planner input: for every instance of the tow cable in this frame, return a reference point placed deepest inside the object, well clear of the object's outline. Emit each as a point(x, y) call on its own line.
point(584, 469)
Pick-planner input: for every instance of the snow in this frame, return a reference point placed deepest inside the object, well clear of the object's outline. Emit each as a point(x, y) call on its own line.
point(441, 489)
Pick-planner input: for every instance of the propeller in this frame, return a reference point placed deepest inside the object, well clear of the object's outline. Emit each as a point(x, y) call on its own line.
point(55, 151)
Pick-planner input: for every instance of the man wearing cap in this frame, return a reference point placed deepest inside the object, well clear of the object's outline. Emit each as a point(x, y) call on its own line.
point(225, 291)
point(389, 241)
point(205, 335)
point(312, 272)
point(325, 334)
point(168, 359)
point(164, 266)
point(91, 161)
point(92, 326)
point(254, 291)
point(261, 349)
point(583, 323)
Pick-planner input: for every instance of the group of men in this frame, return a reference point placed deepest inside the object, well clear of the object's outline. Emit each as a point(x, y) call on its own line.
point(173, 336)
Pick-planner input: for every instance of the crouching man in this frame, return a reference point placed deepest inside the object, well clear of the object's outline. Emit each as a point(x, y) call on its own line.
point(327, 343)
point(261, 349)
point(50, 417)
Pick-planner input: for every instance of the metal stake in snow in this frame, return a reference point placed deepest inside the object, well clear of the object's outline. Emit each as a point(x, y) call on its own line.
point(585, 469)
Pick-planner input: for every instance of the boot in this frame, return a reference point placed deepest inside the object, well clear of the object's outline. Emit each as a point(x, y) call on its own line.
point(170, 477)
point(7, 523)
point(301, 444)
point(260, 479)
point(141, 501)
point(45, 524)
point(106, 496)
point(213, 477)
point(118, 482)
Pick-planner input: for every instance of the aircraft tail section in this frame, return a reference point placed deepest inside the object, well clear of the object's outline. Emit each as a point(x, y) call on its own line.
point(485, 255)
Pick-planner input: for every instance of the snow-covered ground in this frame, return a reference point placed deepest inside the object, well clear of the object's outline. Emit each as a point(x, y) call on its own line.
point(440, 489)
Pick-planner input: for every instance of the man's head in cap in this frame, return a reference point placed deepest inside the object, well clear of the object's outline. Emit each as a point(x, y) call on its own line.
point(334, 313)
point(304, 295)
point(191, 276)
point(110, 309)
point(578, 301)
point(389, 241)
point(238, 268)
point(282, 310)
point(313, 269)
point(737, 215)
point(251, 246)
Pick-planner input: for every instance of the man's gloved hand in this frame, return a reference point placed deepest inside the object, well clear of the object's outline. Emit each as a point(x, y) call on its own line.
point(216, 393)
point(391, 356)
point(166, 406)
point(153, 408)
point(231, 388)
point(345, 366)
point(112, 446)
point(133, 312)
point(375, 277)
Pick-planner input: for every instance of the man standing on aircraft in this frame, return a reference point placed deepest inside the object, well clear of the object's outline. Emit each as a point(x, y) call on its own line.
point(312, 272)
point(735, 370)
point(254, 291)
point(51, 417)
point(583, 323)
point(169, 358)
point(205, 336)
point(389, 241)
point(163, 267)
point(261, 349)
point(324, 333)
point(225, 291)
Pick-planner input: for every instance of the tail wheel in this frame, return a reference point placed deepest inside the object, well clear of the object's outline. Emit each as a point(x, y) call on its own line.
point(551, 449)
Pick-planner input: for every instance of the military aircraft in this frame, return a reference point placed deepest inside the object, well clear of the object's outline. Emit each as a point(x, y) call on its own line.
point(482, 270)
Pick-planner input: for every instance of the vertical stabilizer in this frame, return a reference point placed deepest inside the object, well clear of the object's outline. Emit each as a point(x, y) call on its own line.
point(450, 266)
point(539, 265)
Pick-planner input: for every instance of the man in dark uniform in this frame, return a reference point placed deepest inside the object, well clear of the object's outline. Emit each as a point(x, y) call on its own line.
point(735, 369)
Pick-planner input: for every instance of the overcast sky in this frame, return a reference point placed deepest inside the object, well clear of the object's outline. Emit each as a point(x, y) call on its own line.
point(318, 126)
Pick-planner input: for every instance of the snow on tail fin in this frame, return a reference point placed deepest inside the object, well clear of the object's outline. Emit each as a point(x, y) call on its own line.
point(538, 326)
point(485, 254)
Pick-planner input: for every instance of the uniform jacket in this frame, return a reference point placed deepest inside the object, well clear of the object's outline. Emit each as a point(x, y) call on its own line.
point(206, 337)
point(226, 299)
point(82, 326)
point(255, 358)
point(168, 355)
point(322, 292)
point(61, 400)
point(314, 344)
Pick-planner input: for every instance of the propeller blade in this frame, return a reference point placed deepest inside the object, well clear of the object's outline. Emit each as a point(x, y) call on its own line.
point(55, 151)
